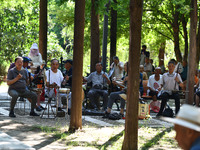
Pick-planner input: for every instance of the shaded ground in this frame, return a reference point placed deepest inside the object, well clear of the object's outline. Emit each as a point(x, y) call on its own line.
point(47, 134)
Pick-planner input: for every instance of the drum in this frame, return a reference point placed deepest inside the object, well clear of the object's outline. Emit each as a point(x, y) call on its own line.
point(64, 90)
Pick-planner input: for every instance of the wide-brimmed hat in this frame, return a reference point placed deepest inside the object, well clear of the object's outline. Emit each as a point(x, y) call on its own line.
point(34, 46)
point(188, 116)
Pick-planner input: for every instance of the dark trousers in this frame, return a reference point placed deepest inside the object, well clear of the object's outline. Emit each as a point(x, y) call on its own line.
point(94, 94)
point(115, 96)
point(27, 94)
point(165, 96)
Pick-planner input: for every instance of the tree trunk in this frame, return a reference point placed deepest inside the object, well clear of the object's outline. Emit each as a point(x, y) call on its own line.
point(131, 122)
point(76, 109)
point(43, 29)
point(162, 53)
point(95, 45)
point(113, 33)
point(184, 23)
point(192, 53)
point(175, 27)
point(198, 43)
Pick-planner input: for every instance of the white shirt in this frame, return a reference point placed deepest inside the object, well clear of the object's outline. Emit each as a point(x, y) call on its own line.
point(117, 72)
point(169, 83)
point(55, 77)
point(36, 60)
point(153, 84)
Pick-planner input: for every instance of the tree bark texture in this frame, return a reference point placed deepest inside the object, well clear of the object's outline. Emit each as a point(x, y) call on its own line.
point(43, 27)
point(95, 45)
point(113, 33)
point(175, 27)
point(76, 109)
point(162, 53)
point(198, 43)
point(184, 23)
point(192, 53)
point(131, 123)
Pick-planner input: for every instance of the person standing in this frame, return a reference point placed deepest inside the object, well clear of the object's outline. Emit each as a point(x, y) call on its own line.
point(17, 80)
point(118, 67)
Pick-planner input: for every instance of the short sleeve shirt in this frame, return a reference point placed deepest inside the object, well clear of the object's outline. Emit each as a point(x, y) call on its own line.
point(20, 85)
point(54, 77)
point(117, 72)
point(168, 81)
point(152, 83)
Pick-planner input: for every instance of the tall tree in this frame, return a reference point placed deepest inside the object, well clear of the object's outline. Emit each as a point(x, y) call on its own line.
point(43, 29)
point(113, 33)
point(76, 110)
point(131, 122)
point(192, 53)
point(95, 45)
point(198, 42)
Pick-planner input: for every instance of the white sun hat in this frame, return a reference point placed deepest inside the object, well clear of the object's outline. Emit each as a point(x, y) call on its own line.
point(34, 46)
point(188, 116)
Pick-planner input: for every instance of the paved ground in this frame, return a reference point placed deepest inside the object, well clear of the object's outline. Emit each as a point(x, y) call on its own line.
point(30, 140)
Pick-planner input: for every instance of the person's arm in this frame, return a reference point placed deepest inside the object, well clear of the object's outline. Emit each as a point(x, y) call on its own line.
point(120, 65)
point(10, 82)
point(106, 77)
point(179, 81)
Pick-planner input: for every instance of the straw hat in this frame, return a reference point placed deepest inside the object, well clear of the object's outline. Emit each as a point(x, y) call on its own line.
point(188, 116)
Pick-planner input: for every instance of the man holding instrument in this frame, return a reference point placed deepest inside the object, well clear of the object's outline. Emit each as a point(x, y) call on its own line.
point(17, 80)
point(170, 83)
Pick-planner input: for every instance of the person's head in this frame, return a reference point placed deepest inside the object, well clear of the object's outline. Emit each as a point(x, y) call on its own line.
point(26, 60)
point(116, 59)
point(147, 60)
point(157, 70)
point(54, 64)
point(173, 60)
point(144, 47)
point(18, 62)
point(126, 67)
point(141, 68)
point(171, 66)
point(68, 64)
point(34, 50)
point(187, 125)
point(98, 67)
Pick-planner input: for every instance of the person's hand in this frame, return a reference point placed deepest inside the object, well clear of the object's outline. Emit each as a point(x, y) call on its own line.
point(159, 89)
point(104, 76)
point(67, 78)
point(19, 76)
point(177, 79)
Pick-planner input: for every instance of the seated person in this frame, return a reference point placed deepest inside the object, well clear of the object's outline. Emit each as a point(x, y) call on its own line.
point(148, 67)
point(68, 73)
point(154, 83)
point(17, 80)
point(145, 77)
point(170, 82)
point(141, 89)
point(99, 80)
point(116, 95)
point(197, 100)
point(118, 67)
point(54, 81)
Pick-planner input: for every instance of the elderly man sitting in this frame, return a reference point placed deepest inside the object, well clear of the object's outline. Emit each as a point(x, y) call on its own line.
point(99, 80)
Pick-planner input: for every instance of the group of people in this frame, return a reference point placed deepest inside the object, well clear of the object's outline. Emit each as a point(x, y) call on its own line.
point(19, 79)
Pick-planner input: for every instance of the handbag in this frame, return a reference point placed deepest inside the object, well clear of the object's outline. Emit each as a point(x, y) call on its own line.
point(168, 112)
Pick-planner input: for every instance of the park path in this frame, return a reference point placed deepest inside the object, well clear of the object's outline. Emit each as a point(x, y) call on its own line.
point(21, 129)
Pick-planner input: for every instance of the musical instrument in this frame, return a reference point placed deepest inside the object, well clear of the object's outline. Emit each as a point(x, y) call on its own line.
point(64, 90)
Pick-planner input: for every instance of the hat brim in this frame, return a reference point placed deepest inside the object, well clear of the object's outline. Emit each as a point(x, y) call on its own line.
point(182, 123)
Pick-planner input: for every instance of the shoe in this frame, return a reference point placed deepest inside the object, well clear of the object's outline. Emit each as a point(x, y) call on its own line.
point(21, 99)
point(11, 114)
point(106, 115)
point(42, 107)
point(158, 115)
point(32, 113)
point(38, 108)
point(60, 109)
